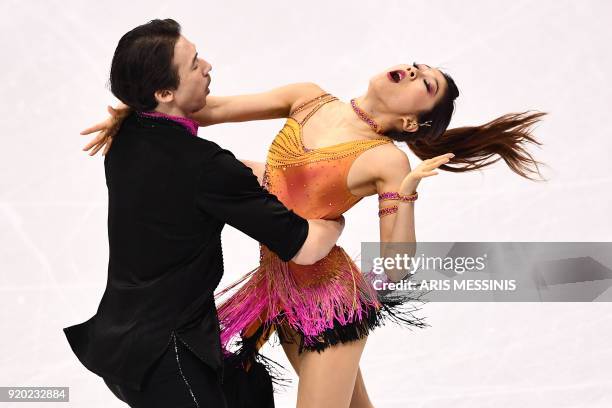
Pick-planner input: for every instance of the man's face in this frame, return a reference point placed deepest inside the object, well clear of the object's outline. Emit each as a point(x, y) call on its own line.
point(190, 96)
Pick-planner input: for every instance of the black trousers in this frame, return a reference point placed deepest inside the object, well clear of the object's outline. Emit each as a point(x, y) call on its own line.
point(179, 379)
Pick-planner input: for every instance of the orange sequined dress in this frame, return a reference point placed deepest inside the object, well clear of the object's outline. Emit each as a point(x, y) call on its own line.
point(330, 301)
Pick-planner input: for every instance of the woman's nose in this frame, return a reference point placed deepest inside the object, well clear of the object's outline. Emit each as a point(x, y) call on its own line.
point(411, 73)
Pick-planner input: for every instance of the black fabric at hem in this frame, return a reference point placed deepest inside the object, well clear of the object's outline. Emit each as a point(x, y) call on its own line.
point(395, 308)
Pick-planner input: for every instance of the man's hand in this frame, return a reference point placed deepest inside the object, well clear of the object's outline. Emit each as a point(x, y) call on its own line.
point(322, 236)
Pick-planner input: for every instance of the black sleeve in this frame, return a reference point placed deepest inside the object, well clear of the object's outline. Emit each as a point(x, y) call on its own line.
point(229, 191)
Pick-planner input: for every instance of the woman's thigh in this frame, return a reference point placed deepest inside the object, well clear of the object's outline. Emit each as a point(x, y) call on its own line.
point(327, 379)
point(291, 348)
point(359, 397)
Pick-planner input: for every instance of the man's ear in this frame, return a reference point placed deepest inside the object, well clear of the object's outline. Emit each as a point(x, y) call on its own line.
point(409, 124)
point(164, 96)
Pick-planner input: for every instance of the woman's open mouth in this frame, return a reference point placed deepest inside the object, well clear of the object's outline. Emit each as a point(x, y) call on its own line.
point(396, 76)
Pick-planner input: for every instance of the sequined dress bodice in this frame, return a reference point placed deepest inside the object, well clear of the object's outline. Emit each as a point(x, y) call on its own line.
point(313, 183)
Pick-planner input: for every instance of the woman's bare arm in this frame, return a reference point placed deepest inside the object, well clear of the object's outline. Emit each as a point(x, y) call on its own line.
point(398, 227)
point(393, 173)
point(276, 103)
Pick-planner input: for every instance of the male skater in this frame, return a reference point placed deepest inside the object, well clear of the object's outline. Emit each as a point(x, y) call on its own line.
point(155, 337)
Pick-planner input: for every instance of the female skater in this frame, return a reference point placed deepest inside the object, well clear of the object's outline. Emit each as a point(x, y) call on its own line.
point(327, 157)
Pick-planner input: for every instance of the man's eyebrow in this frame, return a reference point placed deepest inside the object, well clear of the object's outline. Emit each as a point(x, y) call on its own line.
point(195, 57)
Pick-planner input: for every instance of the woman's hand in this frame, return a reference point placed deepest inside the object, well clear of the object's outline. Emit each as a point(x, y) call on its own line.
point(424, 169)
point(106, 130)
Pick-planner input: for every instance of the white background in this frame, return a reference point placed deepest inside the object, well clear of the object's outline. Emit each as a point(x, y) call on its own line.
point(551, 56)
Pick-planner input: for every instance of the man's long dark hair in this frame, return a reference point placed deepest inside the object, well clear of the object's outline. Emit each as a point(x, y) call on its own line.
point(474, 146)
point(142, 64)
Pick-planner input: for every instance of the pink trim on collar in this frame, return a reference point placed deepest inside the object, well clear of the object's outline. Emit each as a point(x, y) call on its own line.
point(190, 124)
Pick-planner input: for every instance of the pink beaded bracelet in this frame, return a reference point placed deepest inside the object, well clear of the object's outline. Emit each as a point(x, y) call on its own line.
point(394, 195)
point(386, 211)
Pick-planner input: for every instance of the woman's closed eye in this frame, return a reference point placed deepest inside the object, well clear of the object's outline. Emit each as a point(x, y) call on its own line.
point(427, 86)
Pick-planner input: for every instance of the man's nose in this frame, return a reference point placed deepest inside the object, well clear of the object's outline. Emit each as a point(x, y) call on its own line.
point(207, 68)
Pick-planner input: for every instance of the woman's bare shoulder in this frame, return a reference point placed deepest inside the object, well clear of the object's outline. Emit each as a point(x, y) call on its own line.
point(307, 91)
point(388, 162)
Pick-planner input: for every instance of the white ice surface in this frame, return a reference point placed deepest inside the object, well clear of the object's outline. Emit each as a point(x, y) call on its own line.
point(551, 56)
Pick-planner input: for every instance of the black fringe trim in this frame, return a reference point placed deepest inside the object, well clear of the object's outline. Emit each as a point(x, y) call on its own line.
point(247, 356)
point(394, 308)
point(248, 371)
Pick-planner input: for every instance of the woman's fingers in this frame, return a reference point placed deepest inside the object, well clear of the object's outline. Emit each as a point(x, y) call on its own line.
point(111, 110)
point(96, 149)
point(95, 128)
point(105, 124)
point(94, 141)
point(422, 175)
point(444, 157)
point(431, 166)
point(438, 161)
point(107, 146)
point(106, 131)
point(428, 167)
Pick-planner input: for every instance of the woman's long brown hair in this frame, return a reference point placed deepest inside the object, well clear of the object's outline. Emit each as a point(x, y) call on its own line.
point(475, 147)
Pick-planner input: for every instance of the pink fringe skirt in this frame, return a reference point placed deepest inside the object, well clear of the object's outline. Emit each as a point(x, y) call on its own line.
point(326, 303)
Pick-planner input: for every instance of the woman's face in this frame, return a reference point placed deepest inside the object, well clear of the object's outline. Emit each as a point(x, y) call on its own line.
point(408, 89)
